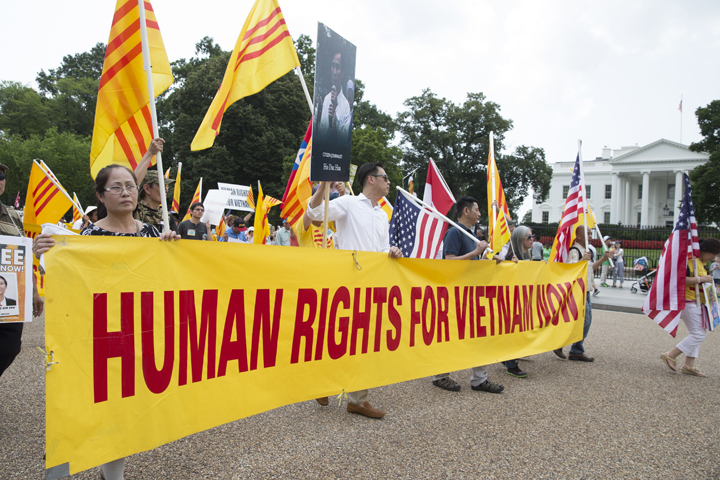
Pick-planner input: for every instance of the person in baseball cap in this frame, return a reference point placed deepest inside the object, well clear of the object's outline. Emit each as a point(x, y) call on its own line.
point(149, 208)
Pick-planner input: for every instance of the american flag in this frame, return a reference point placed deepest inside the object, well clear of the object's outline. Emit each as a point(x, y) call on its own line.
point(571, 215)
point(415, 230)
point(666, 299)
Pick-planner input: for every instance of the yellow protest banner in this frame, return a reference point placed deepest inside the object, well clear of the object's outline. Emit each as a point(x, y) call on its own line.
point(158, 340)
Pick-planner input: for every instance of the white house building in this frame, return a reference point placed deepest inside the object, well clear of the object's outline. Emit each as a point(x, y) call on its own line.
point(633, 185)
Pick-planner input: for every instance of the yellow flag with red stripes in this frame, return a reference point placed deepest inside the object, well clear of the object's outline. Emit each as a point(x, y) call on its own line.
point(250, 199)
point(197, 197)
point(77, 214)
point(263, 53)
point(123, 126)
point(176, 193)
point(45, 201)
point(387, 208)
point(496, 217)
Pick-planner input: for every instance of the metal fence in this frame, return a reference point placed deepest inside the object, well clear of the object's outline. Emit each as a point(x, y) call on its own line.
point(636, 242)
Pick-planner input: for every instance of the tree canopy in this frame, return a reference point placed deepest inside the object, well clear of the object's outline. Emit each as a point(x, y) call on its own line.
point(706, 178)
point(260, 134)
point(457, 138)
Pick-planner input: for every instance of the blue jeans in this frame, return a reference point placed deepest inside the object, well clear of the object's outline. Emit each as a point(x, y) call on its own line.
point(578, 348)
point(510, 364)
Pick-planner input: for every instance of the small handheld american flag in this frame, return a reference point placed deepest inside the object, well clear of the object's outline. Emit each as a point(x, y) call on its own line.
point(415, 230)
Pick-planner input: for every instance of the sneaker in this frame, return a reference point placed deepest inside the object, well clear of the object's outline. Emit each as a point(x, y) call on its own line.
point(604, 285)
point(596, 292)
point(516, 372)
point(447, 383)
point(488, 386)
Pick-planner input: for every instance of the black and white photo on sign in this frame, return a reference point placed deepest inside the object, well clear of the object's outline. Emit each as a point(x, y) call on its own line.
point(333, 107)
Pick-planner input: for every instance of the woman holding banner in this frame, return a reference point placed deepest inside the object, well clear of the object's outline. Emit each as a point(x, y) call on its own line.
point(521, 242)
point(116, 188)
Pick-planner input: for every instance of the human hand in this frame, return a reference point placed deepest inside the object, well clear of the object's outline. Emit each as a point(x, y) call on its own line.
point(480, 247)
point(168, 236)
point(43, 243)
point(515, 259)
point(156, 146)
point(395, 253)
point(340, 187)
point(38, 303)
point(587, 256)
point(705, 279)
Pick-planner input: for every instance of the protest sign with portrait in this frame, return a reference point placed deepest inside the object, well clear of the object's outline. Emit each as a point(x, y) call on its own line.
point(333, 109)
point(16, 284)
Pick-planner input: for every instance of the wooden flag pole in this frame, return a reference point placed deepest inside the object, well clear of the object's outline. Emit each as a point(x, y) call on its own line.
point(326, 199)
point(153, 114)
point(305, 89)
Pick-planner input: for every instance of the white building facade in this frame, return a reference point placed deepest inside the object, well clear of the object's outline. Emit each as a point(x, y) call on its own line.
point(631, 186)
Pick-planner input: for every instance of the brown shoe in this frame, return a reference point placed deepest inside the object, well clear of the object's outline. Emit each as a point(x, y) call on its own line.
point(581, 358)
point(559, 353)
point(323, 401)
point(365, 409)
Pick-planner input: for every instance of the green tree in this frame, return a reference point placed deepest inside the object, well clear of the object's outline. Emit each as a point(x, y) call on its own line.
point(257, 132)
point(70, 91)
point(22, 110)
point(65, 153)
point(456, 136)
point(706, 178)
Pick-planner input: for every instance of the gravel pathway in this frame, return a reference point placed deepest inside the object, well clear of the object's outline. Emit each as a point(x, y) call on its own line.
point(624, 416)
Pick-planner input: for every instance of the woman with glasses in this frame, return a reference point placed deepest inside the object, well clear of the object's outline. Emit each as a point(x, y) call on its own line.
point(116, 188)
point(521, 242)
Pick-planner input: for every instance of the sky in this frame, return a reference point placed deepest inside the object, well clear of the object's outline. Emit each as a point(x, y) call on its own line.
point(610, 73)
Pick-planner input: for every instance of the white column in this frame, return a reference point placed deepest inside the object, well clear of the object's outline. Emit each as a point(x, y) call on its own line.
point(645, 198)
point(678, 195)
point(627, 201)
point(614, 203)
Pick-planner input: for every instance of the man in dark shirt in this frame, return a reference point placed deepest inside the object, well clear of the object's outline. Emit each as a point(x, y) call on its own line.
point(458, 246)
point(192, 228)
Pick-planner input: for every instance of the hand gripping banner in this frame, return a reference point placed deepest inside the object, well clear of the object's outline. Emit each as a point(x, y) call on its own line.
point(156, 340)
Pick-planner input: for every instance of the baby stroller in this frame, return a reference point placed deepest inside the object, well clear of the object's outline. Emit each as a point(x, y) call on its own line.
point(647, 275)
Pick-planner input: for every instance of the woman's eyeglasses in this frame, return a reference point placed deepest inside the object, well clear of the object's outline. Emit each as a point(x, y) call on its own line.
point(118, 189)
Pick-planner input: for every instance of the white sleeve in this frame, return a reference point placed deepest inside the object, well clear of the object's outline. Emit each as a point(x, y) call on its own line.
point(337, 209)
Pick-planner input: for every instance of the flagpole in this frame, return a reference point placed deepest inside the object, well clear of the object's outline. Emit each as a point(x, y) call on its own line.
point(153, 114)
point(325, 216)
point(79, 207)
point(51, 177)
point(305, 89)
point(492, 175)
point(582, 189)
point(681, 100)
point(435, 211)
point(695, 266)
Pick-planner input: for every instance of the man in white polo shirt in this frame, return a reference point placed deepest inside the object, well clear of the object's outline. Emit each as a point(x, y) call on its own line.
point(361, 225)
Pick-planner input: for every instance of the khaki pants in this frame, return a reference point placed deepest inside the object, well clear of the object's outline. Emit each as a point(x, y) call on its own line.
point(359, 397)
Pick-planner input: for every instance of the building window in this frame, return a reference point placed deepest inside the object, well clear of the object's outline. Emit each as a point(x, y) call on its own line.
point(669, 223)
point(566, 189)
point(608, 192)
point(607, 217)
point(639, 218)
point(545, 217)
point(671, 192)
point(640, 192)
point(588, 188)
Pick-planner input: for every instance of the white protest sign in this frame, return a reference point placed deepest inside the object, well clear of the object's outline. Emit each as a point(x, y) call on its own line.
point(238, 196)
point(215, 203)
point(16, 286)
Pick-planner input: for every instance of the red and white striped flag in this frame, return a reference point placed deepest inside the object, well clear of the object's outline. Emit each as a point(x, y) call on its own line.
point(414, 229)
point(574, 206)
point(666, 299)
point(17, 202)
point(437, 193)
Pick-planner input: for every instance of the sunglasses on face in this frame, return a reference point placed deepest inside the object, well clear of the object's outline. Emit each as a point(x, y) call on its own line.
point(381, 176)
point(2, 176)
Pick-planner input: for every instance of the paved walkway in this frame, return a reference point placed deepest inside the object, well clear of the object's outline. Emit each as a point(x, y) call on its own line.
point(619, 299)
point(623, 416)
